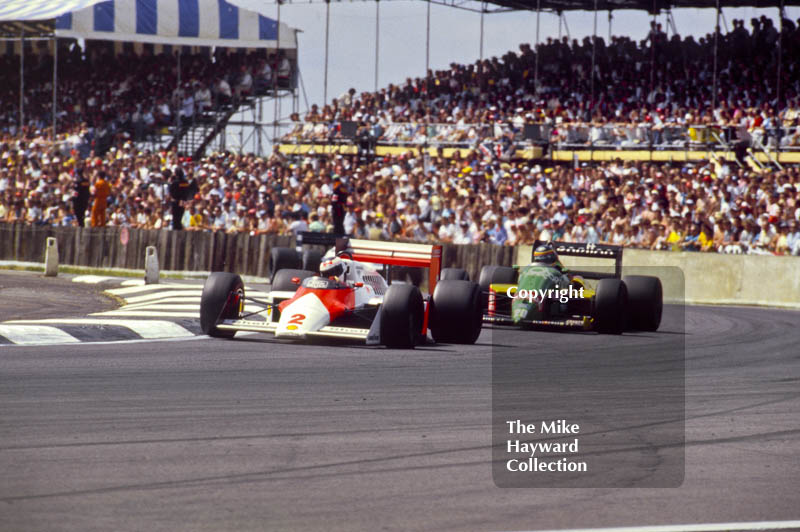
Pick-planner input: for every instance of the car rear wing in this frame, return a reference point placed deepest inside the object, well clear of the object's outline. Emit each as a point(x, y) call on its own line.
point(595, 251)
point(380, 252)
point(396, 254)
point(312, 238)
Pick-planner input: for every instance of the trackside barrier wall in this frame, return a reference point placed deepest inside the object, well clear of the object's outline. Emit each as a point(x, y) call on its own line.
point(711, 278)
point(177, 250)
point(189, 250)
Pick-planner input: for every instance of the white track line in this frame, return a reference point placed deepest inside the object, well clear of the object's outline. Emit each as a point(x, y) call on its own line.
point(149, 314)
point(709, 527)
point(195, 300)
point(145, 328)
point(184, 292)
point(163, 295)
point(36, 335)
point(166, 305)
point(160, 305)
point(91, 279)
point(149, 340)
point(147, 287)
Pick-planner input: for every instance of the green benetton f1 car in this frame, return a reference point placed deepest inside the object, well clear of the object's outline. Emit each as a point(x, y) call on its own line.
point(546, 294)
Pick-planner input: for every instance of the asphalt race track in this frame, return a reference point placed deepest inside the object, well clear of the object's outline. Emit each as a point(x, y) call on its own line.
point(251, 434)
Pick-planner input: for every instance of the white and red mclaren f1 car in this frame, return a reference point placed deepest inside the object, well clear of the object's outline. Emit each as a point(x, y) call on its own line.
point(351, 299)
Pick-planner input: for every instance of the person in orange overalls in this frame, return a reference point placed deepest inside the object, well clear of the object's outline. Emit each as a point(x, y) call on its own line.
point(101, 192)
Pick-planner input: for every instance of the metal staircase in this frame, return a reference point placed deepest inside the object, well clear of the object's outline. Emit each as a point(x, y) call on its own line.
point(727, 147)
point(751, 158)
point(756, 142)
point(193, 137)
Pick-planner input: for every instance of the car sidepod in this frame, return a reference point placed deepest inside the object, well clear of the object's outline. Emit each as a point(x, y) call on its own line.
point(312, 309)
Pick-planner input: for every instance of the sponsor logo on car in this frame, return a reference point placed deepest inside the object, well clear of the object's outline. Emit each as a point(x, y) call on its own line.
point(588, 249)
point(317, 283)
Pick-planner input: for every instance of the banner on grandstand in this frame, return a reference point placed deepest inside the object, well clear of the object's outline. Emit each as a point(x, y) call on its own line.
point(176, 22)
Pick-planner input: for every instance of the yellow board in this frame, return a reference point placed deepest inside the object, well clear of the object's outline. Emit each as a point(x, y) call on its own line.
point(537, 153)
point(534, 152)
point(665, 156)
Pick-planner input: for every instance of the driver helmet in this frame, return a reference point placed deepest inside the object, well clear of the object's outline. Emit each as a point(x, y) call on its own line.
point(334, 267)
point(545, 254)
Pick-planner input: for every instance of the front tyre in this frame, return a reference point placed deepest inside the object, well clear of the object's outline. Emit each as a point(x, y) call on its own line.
point(457, 315)
point(222, 299)
point(401, 316)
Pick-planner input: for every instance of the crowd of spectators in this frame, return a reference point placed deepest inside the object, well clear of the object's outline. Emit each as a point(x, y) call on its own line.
point(481, 194)
point(655, 93)
point(702, 207)
point(128, 94)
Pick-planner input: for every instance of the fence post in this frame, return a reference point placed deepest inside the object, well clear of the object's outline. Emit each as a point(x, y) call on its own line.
point(151, 265)
point(51, 257)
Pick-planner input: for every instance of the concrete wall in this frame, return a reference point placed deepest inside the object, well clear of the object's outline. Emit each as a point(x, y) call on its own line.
point(177, 250)
point(188, 250)
point(708, 278)
point(703, 278)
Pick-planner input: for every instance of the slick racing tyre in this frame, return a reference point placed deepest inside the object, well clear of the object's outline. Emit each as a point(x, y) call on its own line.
point(401, 316)
point(283, 258)
point(456, 316)
point(645, 302)
point(222, 299)
point(610, 306)
point(415, 276)
point(407, 274)
point(494, 274)
point(453, 274)
point(282, 281)
point(311, 260)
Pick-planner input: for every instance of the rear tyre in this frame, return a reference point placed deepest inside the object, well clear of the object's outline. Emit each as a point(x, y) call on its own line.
point(283, 279)
point(453, 274)
point(457, 316)
point(610, 306)
point(401, 316)
point(222, 299)
point(283, 258)
point(311, 260)
point(494, 274)
point(414, 276)
point(645, 302)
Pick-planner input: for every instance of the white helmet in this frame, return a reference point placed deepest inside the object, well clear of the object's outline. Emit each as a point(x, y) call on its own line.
point(334, 267)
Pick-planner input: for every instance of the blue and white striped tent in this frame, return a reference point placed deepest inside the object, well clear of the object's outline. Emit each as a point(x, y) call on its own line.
point(174, 22)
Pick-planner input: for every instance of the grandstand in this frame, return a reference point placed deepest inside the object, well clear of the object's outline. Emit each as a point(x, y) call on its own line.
point(203, 61)
point(543, 104)
point(643, 153)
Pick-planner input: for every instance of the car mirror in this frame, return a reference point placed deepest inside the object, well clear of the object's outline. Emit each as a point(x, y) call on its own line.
point(295, 280)
point(358, 285)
